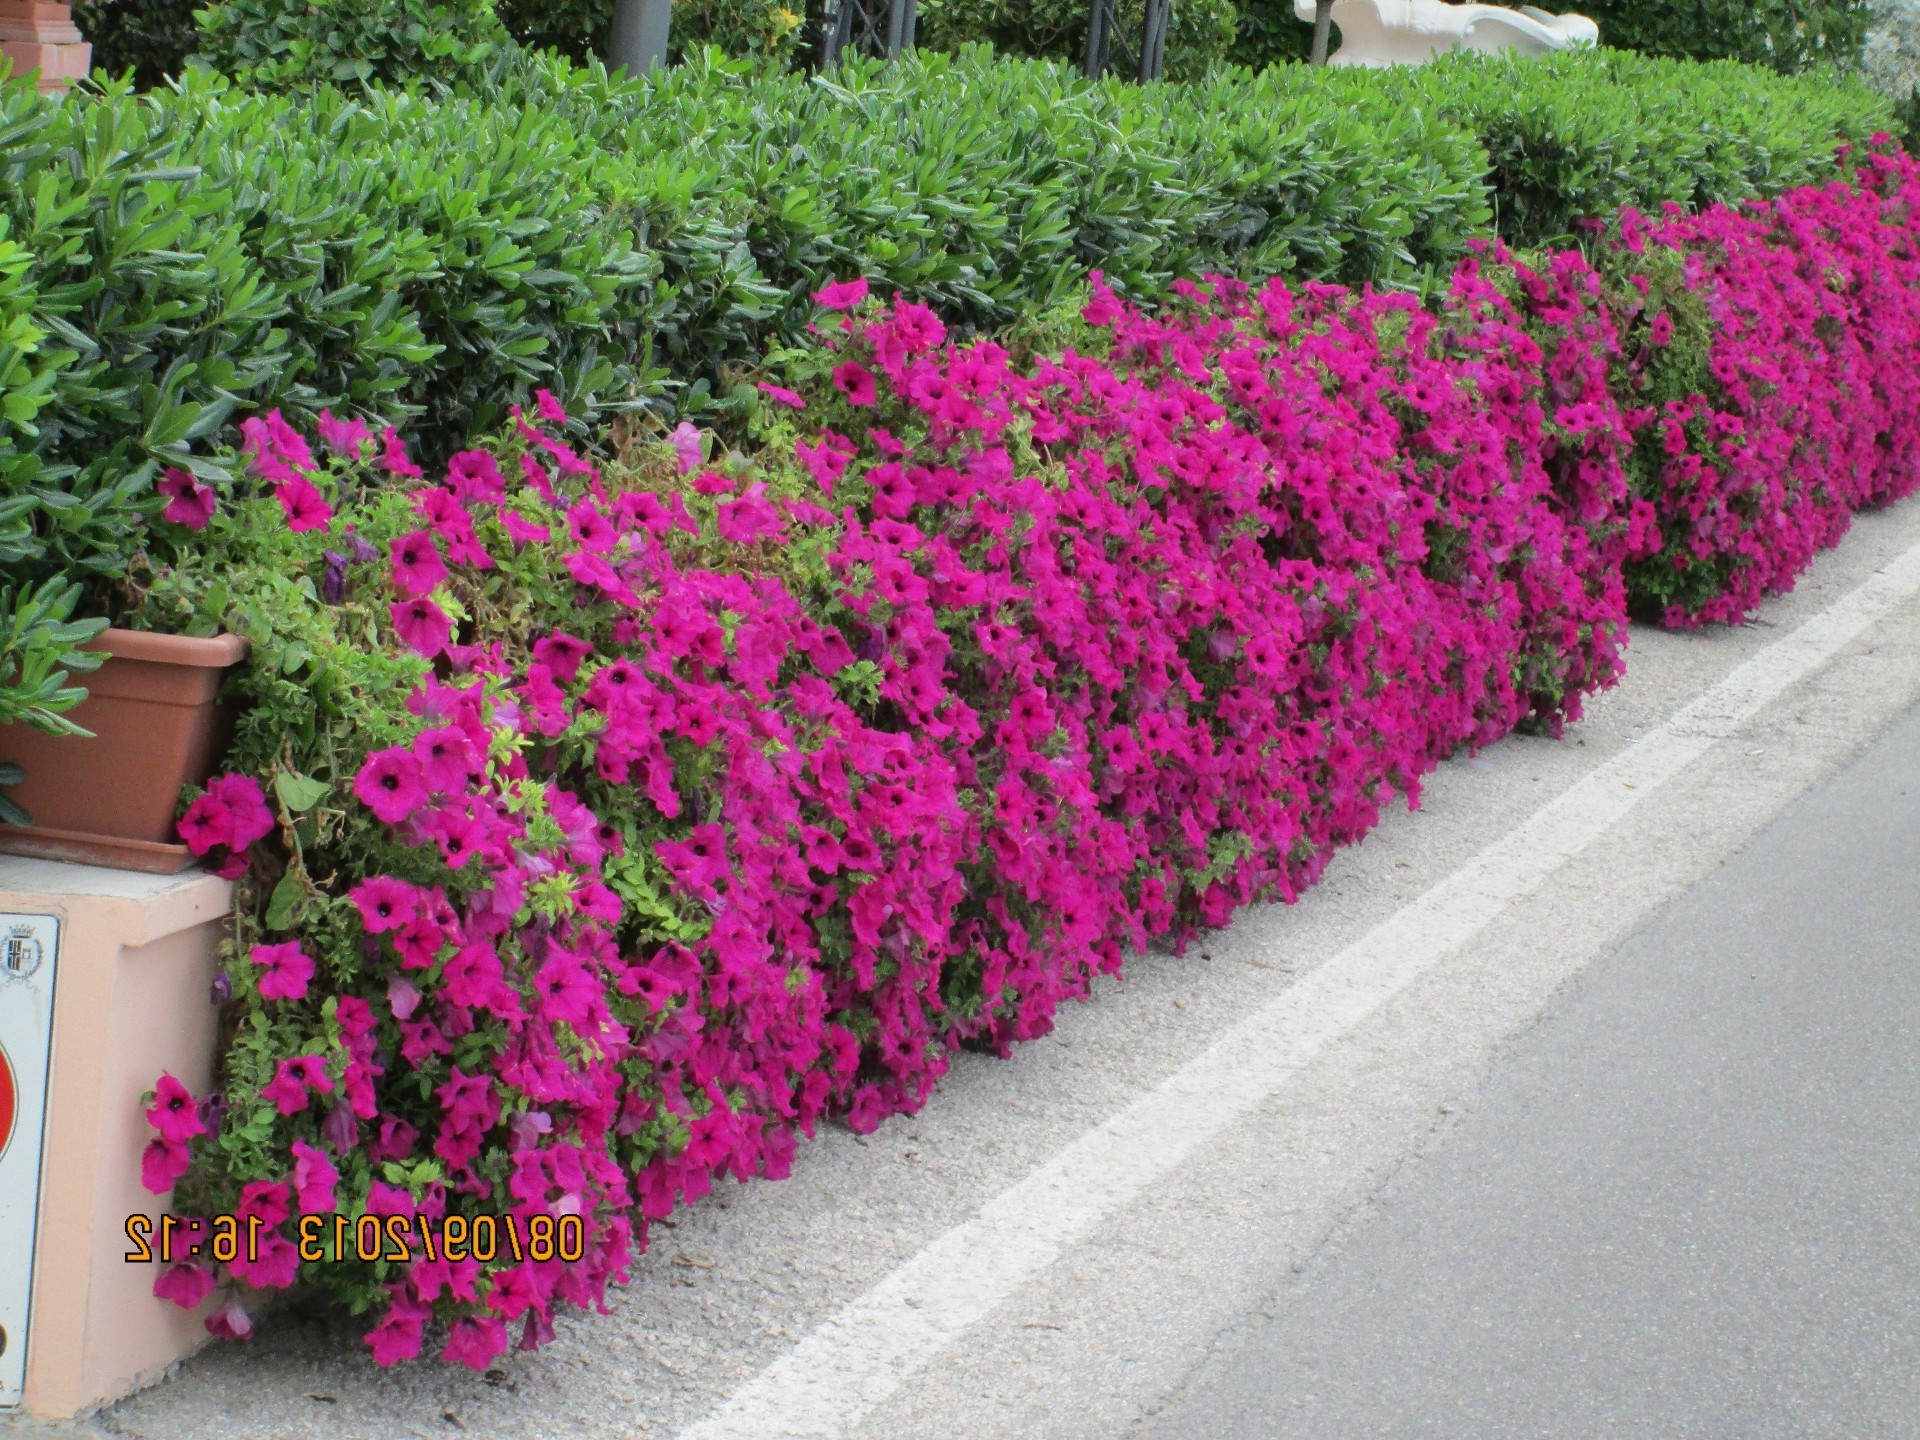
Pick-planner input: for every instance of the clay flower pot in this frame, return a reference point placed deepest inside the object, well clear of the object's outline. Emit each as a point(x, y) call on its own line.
point(111, 800)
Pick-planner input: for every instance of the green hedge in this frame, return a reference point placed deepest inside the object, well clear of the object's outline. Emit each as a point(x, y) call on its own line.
point(348, 42)
point(631, 244)
point(1784, 35)
point(1201, 33)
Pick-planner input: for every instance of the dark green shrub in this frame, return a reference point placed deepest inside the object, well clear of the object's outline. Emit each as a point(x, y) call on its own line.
point(1573, 136)
point(347, 42)
point(169, 257)
point(1201, 32)
point(1784, 35)
point(1269, 33)
point(153, 38)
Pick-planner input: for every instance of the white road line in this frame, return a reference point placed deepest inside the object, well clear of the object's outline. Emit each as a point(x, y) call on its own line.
point(854, 1360)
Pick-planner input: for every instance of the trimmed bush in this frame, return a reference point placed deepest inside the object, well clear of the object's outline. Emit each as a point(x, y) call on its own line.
point(1784, 35)
point(1201, 33)
point(273, 43)
point(152, 38)
point(644, 245)
point(1773, 350)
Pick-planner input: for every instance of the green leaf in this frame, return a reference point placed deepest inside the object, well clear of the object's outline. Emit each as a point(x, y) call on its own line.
point(299, 793)
point(284, 902)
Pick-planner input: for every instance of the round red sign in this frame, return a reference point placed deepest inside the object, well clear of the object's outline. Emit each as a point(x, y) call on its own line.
point(9, 1101)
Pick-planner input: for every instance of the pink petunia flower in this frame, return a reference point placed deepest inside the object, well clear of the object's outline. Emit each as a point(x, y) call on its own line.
point(385, 904)
point(163, 1162)
point(522, 531)
point(856, 382)
point(475, 1341)
point(551, 410)
point(390, 784)
point(185, 1284)
point(304, 505)
point(344, 437)
point(842, 294)
point(288, 969)
point(295, 1080)
point(783, 396)
point(231, 1322)
point(393, 456)
point(562, 654)
point(173, 1112)
point(422, 626)
point(189, 502)
point(417, 566)
point(474, 477)
point(314, 1177)
point(688, 445)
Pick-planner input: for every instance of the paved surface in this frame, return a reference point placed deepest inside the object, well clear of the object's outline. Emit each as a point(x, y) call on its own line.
point(1137, 1314)
point(1688, 1203)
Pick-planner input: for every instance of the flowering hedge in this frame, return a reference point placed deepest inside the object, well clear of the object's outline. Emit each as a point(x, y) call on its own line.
point(1776, 341)
point(602, 827)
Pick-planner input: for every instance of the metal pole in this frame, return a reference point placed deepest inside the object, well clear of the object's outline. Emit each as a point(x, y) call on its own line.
point(1153, 40)
point(900, 18)
point(640, 32)
point(1098, 21)
point(1322, 23)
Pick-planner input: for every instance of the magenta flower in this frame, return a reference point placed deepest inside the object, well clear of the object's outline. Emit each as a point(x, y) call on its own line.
point(688, 445)
point(567, 992)
point(230, 1322)
point(522, 531)
point(783, 396)
point(173, 1112)
point(856, 382)
point(232, 813)
point(294, 1081)
point(842, 294)
point(422, 626)
point(551, 410)
point(189, 502)
point(287, 970)
point(474, 477)
point(390, 784)
point(749, 519)
point(344, 437)
point(446, 757)
point(385, 904)
point(417, 567)
point(393, 456)
point(475, 1341)
point(185, 1284)
point(161, 1163)
point(398, 1335)
point(590, 529)
point(304, 506)
point(314, 1177)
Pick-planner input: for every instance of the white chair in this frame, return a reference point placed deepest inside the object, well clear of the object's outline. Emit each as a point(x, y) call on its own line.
point(1412, 32)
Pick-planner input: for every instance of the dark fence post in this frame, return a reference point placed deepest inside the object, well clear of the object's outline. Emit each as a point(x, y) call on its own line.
point(858, 26)
point(1103, 26)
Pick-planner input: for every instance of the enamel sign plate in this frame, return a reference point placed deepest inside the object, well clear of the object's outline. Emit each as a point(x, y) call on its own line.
point(28, 944)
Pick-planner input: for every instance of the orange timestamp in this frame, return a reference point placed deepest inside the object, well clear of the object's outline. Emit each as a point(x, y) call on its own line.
point(335, 1239)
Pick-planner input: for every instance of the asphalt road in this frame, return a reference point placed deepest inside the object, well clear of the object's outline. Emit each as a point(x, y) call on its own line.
point(1574, 1103)
point(1686, 1204)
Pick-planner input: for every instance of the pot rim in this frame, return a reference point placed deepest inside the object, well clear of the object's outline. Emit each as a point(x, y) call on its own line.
point(214, 652)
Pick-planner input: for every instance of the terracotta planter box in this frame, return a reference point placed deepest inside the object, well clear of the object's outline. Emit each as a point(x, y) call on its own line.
point(37, 35)
point(111, 800)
